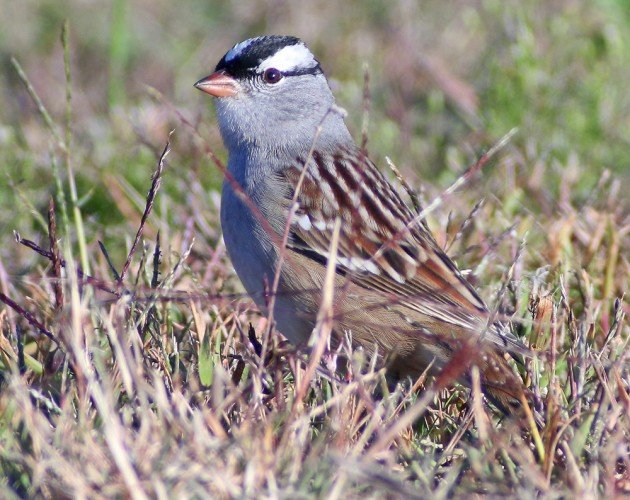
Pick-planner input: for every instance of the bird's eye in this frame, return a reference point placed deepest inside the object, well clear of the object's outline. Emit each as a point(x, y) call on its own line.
point(272, 75)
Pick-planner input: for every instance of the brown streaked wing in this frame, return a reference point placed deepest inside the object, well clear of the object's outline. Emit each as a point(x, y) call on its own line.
point(409, 265)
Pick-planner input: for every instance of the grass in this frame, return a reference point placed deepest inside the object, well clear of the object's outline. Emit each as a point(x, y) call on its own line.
point(149, 382)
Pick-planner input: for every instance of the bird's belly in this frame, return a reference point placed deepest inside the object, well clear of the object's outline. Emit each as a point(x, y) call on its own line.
point(250, 248)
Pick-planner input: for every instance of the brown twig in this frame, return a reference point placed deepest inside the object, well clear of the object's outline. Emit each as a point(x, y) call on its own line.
point(234, 184)
point(467, 221)
point(55, 258)
point(367, 100)
point(86, 278)
point(283, 254)
point(411, 192)
point(155, 186)
point(108, 259)
point(33, 321)
point(324, 325)
point(437, 201)
point(155, 278)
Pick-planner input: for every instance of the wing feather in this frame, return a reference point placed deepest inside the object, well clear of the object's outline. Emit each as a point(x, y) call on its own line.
point(378, 248)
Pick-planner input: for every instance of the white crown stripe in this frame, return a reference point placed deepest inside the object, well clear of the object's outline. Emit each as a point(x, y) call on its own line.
point(289, 58)
point(238, 49)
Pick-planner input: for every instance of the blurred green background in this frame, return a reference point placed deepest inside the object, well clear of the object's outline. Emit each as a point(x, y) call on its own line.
point(447, 79)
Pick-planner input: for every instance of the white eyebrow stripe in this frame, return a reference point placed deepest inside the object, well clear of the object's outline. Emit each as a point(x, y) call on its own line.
point(290, 58)
point(238, 49)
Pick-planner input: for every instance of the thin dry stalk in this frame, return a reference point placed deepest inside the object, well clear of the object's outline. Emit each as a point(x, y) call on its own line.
point(56, 259)
point(153, 190)
point(324, 323)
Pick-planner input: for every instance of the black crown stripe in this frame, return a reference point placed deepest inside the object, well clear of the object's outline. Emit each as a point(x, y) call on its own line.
point(246, 63)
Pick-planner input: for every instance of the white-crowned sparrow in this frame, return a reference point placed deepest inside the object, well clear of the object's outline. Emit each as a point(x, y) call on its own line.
point(397, 293)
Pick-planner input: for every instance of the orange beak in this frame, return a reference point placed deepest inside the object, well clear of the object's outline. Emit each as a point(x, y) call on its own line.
point(218, 84)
